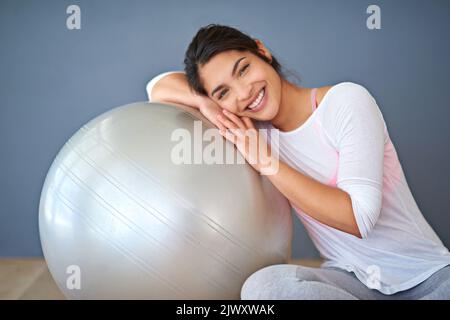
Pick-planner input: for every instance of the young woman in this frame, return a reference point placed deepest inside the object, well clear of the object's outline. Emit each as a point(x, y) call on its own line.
point(338, 168)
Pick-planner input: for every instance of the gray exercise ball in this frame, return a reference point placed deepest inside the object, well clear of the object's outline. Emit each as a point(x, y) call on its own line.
point(118, 219)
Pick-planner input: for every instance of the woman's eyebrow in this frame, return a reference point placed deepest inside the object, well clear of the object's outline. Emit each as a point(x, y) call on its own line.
point(236, 64)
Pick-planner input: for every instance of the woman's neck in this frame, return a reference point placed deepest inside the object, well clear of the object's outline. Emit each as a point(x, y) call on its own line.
point(294, 107)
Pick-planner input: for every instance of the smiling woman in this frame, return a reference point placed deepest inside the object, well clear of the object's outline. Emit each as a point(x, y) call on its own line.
point(214, 39)
point(251, 77)
point(338, 168)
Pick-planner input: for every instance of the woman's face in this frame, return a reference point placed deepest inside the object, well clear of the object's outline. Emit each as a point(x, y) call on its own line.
point(243, 83)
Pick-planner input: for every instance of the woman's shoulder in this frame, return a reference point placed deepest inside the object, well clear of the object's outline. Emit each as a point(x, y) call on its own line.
point(344, 86)
point(321, 92)
point(342, 89)
point(346, 100)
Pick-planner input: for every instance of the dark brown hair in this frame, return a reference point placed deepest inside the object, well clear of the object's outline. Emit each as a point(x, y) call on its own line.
point(214, 39)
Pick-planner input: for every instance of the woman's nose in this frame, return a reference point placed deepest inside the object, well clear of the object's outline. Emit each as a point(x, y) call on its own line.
point(244, 95)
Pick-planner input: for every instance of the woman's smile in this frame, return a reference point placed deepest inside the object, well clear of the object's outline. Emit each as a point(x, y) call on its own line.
point(259, 103)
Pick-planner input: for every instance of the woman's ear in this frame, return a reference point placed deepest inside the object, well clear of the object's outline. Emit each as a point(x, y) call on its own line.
point(263, 49)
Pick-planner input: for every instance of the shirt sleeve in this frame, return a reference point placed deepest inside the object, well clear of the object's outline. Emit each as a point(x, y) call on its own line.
point(359, 132)
point(152, 82)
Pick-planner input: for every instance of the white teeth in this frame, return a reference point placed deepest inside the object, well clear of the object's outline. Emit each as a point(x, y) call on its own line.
point(258, 100)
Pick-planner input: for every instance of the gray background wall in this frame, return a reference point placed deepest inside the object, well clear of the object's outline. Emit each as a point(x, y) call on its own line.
point(53, 80)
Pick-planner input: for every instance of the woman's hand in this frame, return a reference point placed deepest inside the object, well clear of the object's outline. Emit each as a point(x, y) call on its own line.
point(242, 133)
point(210, 110)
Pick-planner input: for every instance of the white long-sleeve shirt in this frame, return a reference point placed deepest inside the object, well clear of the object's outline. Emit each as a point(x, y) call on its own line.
point(345, 144)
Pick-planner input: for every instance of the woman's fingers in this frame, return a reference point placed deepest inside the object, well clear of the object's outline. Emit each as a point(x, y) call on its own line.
point(228, 135)
point(234, 128)
point(236, 120)
point(248, 122)
point(219, 123)
point(226, 122)
point(240, 133)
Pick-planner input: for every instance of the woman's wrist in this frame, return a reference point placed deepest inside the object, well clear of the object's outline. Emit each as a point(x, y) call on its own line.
point(202, 101)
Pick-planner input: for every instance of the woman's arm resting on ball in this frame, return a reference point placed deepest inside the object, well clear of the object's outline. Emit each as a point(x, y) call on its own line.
point(172, 88)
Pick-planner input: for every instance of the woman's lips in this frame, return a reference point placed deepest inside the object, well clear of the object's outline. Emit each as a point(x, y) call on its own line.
point(262, 104)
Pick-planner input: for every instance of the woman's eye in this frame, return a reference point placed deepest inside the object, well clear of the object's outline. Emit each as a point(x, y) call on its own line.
point(241, 72)
point(222, 94)
point(243, 69)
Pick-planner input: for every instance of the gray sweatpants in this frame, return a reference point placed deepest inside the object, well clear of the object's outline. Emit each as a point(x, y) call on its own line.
point(287, 282)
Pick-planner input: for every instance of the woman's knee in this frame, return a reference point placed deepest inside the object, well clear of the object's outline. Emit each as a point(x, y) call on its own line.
point(257, 282)
point(267, 281)
point(289, 282)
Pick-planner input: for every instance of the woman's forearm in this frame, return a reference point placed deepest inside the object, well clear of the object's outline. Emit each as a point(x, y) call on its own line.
point(173, 88)
point(328, 205)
